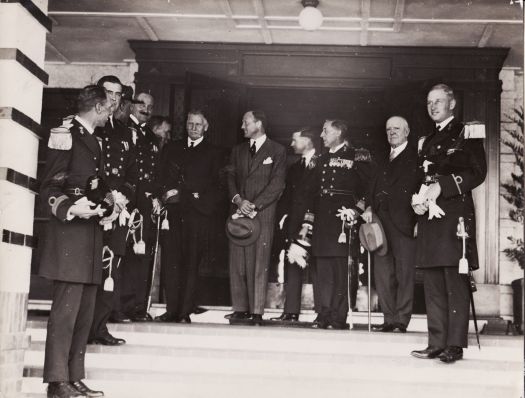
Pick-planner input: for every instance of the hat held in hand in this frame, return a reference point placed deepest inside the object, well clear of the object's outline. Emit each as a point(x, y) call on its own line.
point(243, 231)
point(372, 236)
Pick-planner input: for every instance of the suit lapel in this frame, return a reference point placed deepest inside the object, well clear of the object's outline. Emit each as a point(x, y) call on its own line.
point(260, 156)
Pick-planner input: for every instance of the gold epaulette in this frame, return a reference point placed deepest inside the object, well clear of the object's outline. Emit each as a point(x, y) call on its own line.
point(60, 138)
point(362, 155)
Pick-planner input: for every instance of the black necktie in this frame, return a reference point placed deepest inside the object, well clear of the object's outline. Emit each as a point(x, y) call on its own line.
point(252, 149)
point(192, 144)
point(303, 163)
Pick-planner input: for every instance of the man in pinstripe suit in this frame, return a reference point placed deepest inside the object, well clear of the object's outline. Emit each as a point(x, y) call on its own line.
point(256, 176)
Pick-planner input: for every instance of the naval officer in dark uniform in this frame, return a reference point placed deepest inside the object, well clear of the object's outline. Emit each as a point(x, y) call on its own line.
point(454, 165)
point(391, 194)
point(136, 273)
point(72, 245)
point(120, 175)
point(189, 176)
point(343, 178)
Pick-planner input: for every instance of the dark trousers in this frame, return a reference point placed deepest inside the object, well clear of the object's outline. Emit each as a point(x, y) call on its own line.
point(67, 331)
point(394, 274)
point(332, 281)
point(184, 247)
point(294, 287)
point(447, 300)
point(136, 274)
point(106, 302)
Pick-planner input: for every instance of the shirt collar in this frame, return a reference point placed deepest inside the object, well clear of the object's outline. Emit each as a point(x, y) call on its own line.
point(394, 152)
point(85, 124)
point(136, 121)
point(196, 142)
point(308, 156)
point(444, 123)
point(334, 150)
point(258, 142)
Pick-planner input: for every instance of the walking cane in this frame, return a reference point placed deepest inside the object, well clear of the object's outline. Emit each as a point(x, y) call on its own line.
point(350, 265)
point(472, 288)
point(369, 290)
point(154, 267)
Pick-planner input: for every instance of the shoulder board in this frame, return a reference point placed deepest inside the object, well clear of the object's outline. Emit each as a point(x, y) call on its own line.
point(420, 143)
point(60, 138)
point(474, 130)
point(68, 120)
point(362, 155)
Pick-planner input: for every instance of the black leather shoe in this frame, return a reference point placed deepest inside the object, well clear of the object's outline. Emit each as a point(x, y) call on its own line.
point(451, 354)
point(399, 326)
point(257, 319)
point(339, 326)
point(166, 317)
point(85, 390)
point(320, 324)
point(238, 315)
point(428, 353)
point(184, 319)
point(107, 340)
point(286, 317)
point(199, 310)
point(142, 318)
point(62, 389)
point(119, 317)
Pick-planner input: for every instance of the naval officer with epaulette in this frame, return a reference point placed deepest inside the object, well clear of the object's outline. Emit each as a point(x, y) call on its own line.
point(72, 245)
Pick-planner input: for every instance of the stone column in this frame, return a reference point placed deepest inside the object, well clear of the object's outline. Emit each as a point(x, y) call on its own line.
point(24, 26)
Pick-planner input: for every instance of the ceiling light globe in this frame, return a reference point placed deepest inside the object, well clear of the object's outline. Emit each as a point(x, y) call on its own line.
point(310, 18)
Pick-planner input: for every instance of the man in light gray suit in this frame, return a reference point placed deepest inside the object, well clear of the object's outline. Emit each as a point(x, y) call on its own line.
point(256, 179)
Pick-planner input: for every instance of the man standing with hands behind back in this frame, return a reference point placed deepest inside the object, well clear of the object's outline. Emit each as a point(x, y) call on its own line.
point(454, 165)
point(256, 175)
point(390, 196)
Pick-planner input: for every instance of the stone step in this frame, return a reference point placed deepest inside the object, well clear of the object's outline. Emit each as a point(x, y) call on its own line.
point(192, 386)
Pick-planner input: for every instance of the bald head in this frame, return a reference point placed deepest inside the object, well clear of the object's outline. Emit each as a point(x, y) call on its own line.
point(143, 108)
point(397, 131)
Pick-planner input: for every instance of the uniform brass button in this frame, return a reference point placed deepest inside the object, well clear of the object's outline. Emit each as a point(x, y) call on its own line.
point(331, 186)
point(324, 171)
point(121, 158)
point(107, 164)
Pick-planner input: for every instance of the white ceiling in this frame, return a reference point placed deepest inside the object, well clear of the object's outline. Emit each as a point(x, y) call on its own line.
point(99, 30)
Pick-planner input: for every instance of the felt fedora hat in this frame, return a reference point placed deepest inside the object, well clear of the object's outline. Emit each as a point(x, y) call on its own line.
point(372, 236)
point(243, 231)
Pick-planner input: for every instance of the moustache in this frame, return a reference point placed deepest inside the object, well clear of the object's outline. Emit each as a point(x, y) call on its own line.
point(144, 113)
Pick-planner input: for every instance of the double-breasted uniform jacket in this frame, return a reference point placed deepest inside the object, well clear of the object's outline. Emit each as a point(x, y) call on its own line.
point(71, 249)
point(342, 179)
point(121, 173)
point(295, 201)
point(147, 154)
point(392, 189)
point(459, 166)
point(194, 172)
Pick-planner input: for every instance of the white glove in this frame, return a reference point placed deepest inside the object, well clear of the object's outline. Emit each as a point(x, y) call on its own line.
point(297, 254)
point(123, 217)
point(346, 214)
point(156, 206)
point(434, 211)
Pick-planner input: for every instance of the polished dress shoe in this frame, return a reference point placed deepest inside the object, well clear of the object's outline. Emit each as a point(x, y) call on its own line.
point(236, 315)
point(142, 318)
point(256, 319)
point(320, 324)
point(108, 339)
point(451, 354)
point(166, 317)
point(119, 317)
point(286, 317)
point(199, 310)
point(85, 390)
point(184, 319)
point(399, 326)
point(428, 353)
point(62, 389)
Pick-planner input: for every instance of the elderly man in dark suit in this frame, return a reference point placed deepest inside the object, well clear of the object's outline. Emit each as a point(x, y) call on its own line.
point(256, 178)
point(342, 182)
point(189, 176)
point(295, 203)
point(391, 195)
point(72, 246)
point(453, 164)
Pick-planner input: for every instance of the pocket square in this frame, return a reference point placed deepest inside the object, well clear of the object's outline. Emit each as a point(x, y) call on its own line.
point(268, 160)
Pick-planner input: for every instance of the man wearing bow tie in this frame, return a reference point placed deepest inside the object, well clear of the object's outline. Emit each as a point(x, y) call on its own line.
point(256, 179)
point(391, 195)
point(189, 179)
point(294, 204)
point(137, 265)
point(453, 167)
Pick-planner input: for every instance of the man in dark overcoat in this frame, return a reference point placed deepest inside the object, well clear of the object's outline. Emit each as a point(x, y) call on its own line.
point(136, 272)
point(256, 177)
point(120, 175)
point(391, 194)
point(294, 204)
point(343, 176)
point(189, 179)
point(72, 245)
point(453, 166)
